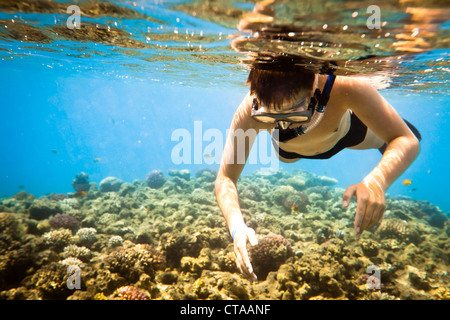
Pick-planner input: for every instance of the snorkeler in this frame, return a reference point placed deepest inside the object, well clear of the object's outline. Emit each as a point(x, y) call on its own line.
point(307, 121)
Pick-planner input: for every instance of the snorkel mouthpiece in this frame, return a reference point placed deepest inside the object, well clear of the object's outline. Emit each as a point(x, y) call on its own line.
point(284, 124)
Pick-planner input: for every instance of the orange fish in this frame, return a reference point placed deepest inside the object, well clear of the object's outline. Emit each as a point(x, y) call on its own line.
point(80, 194)
point(407, 182)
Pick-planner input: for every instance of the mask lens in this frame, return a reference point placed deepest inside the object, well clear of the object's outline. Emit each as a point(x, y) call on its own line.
point(264, 119)
point(274, 118)
point(297, 118)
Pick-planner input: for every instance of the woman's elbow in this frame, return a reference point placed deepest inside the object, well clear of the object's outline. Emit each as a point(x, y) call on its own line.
point(411, 146)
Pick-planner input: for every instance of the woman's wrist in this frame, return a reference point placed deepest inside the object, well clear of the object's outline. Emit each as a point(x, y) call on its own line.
point(237, 226)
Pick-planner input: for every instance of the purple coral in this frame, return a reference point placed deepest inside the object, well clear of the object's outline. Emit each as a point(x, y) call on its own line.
point(64, 221)
point(269, 254)
point(155, 179)
point(131, 293)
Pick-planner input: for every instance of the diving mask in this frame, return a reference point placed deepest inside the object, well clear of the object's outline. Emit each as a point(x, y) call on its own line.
point(260, 113)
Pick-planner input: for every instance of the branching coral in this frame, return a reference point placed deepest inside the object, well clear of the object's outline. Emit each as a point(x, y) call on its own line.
point(130, 263)
point(130, 293)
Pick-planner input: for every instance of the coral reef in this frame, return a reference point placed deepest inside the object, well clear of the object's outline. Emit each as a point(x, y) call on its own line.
point(269, 254)
point(64, 221)
point(165, 238)
point(131, 262)
point(43, 209)
point(81, 182)
point(74, 251)
point(110, 184)
point(155, 179)
point(130, 293)
point(86, 236)
point(58, 239)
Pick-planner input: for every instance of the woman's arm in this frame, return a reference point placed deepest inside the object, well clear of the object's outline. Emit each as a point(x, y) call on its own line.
point(242, 134)
point(402, 148)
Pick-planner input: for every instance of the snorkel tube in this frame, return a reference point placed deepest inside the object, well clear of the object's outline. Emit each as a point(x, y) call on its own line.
point(319, 111)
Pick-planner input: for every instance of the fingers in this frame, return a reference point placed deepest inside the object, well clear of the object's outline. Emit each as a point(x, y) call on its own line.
point(369, 211)
point(370, 206)
point(379, 212)
point(242, 258)
point(348, 194)
point(361, 206)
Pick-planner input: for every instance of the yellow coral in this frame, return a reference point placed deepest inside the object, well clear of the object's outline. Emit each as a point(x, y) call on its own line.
point(441, 293)
point(198, 285)
point(100, 296)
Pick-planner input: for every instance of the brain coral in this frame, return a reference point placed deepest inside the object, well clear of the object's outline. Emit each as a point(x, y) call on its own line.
point(400, 230)
point(155, 179)
point(269, 254)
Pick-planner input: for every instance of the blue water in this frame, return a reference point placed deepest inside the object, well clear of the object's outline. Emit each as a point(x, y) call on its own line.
point(68, 115)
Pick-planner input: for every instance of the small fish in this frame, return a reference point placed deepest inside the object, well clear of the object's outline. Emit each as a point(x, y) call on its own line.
point(207, 156)
point(21, 186)
point(414, 189)
point(54, 151)
point(97, 160)
point(294, 208)
point(79, 194)
point(407, 182)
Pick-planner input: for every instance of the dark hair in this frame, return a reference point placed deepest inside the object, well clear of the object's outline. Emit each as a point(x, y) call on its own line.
point(276, 87)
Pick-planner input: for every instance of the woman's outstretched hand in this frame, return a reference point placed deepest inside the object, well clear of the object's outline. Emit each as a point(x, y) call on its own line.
point(240, 250)
point(370, 204)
